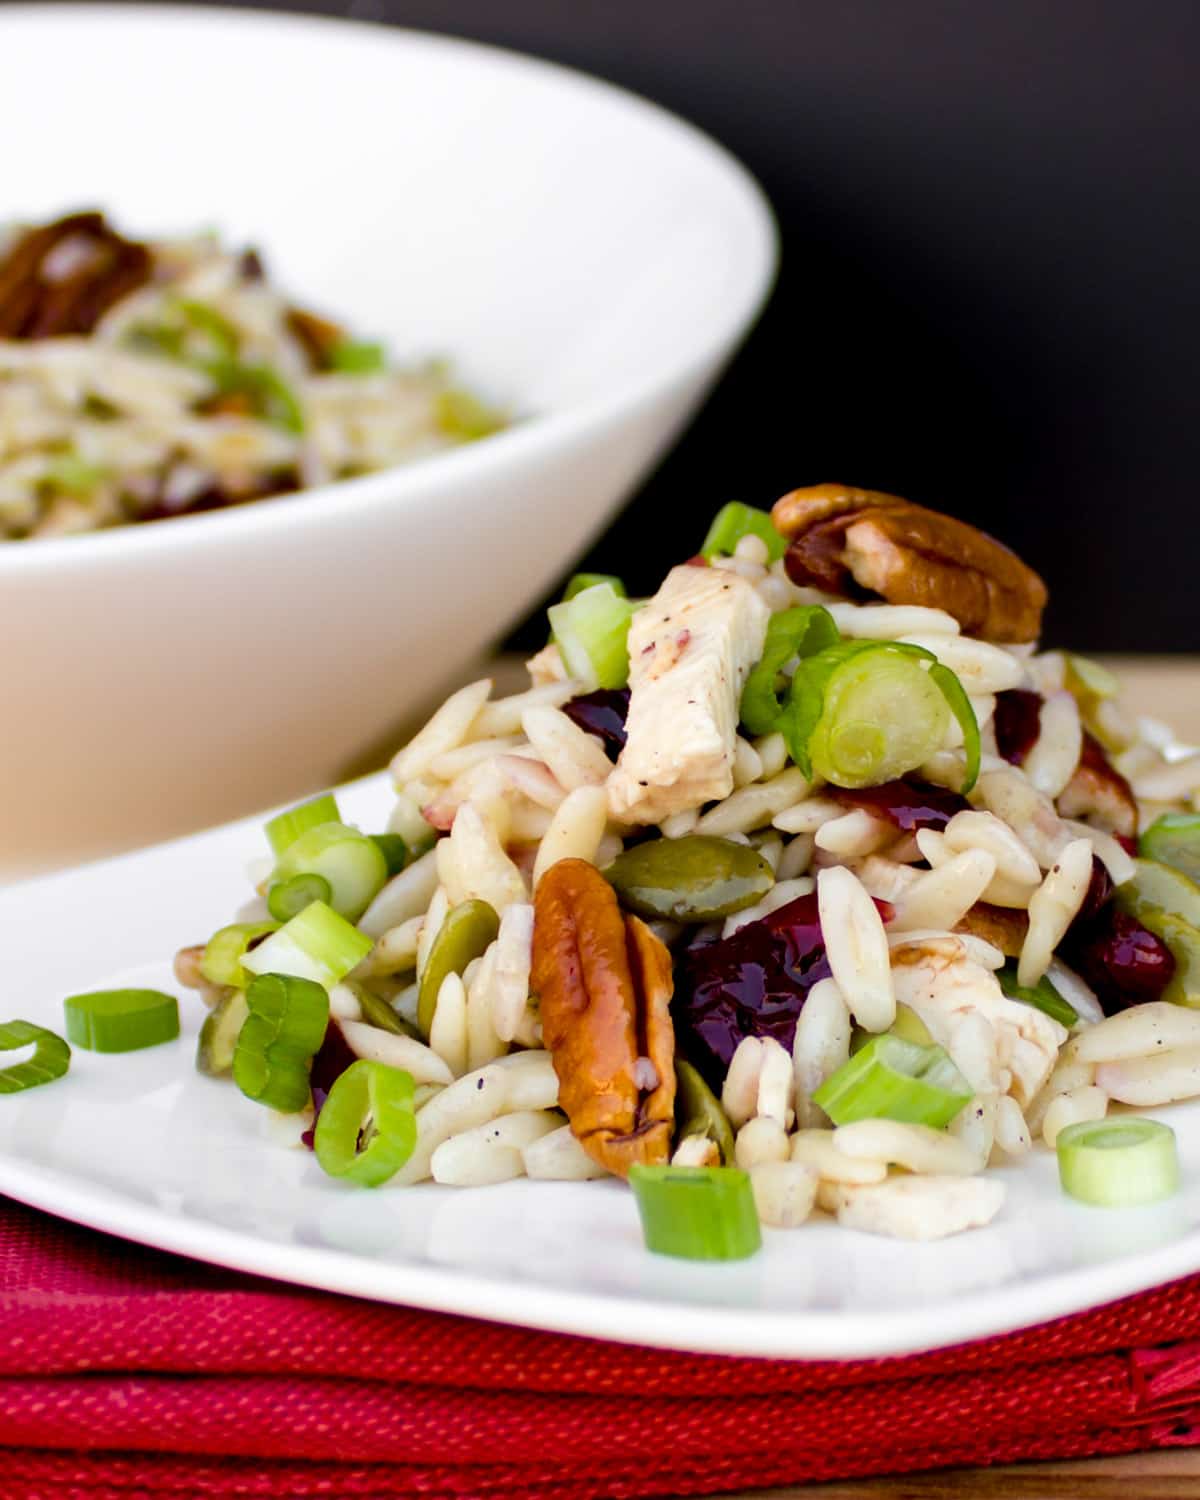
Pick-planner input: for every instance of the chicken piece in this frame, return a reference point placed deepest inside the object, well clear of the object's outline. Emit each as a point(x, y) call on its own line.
point(690, 651)
point(917, 1208)
point(939, 982)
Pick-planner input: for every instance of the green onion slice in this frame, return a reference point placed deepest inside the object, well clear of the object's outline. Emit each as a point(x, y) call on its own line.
point(1118, 1163)
point(802, 631)
point(288, 898)
point(865, 712)
point(461, 415)
point(580, 581)
point(697, 1213)
point(469, 930)
point(394, 850)
point(377, 1012)
point(591, 632)
point(1042, 996)
point(281, 1033)
point(367, 1127)
point(222, 336)
point(1086, 678)
point(960, 706)
point(890, 1079)
point(218, 1036)
point(734, 521)
point(316, 944)
point(352, 864)
point(74, 475)
point(1174, 839)
point(273, 399)
point(357, 357)
point(286, 827)
point(121, 1020)
point(225, 950)
point(50, 1060)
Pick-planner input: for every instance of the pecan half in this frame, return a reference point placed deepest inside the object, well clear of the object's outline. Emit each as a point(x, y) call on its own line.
point(604, 984)
point(318, 336)
point(848, 541)
point(62, 278)
point(1099, 793)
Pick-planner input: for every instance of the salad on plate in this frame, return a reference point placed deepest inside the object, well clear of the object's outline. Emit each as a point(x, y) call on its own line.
point(810, 884)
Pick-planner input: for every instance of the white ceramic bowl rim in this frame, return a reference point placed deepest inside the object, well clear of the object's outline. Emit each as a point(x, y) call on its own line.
point(535, 433)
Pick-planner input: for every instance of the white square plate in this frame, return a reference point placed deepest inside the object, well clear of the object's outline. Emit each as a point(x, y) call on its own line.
point(142, 1146)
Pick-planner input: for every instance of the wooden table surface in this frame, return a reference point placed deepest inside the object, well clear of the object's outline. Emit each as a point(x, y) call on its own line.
point(1169, 689)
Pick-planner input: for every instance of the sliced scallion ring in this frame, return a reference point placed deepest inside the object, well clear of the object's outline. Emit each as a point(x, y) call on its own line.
point(734, 521)
point(697, 1213)
point(591, 631)
point(801, 631)
point(1042, 995)
point(224, 951)
point(288, 898)
point(353, 866)
point(317, 944)
point(273, 1055)
point(394, 850)
point(50, 1060)
point(286, 827)
point(890, 1079)
point(121, 1020)
point(1118, 1163)
point(580, 581)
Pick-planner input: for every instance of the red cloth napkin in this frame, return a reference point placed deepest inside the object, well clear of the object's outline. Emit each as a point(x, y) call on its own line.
point(129, 1373)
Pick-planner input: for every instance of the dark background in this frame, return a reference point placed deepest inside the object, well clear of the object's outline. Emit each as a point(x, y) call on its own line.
point(990, 294)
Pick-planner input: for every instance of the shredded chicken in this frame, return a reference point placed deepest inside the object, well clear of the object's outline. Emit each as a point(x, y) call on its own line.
point(939, 982)
point(690, 651)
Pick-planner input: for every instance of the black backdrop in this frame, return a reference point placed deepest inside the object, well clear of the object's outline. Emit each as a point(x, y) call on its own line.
point(990, 296)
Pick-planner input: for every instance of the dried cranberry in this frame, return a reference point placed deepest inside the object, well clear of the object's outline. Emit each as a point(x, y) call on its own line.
point(1122, 961)
point(753, 983)
point(1098, 894)
point(602, 713)
point(907, 805)
point(333, 1058)
point(1017, 723)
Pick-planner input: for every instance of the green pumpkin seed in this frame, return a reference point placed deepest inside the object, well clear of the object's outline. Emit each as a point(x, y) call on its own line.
point(468, 931)
point(1163, 887)
point(692, 879)
point(377, 1012)
point(698, 1111)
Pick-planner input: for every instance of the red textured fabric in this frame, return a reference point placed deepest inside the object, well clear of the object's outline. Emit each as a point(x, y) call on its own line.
point(128, 1373)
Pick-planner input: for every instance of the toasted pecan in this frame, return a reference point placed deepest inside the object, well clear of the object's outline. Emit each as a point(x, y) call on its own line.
point(318, 336)
point(849, 541)
point(604, 986)
point(39, 299)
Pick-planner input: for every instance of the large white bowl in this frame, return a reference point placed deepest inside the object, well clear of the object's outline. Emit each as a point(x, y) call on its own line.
point(579, 252)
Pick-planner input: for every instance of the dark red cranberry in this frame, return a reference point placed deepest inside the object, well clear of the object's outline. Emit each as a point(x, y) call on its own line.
point(907, 805)
point(1099, 892)
point(1123, 962)
point(753, 983)
point(602, 713)
point(333, 1058)
point(1017, 723)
